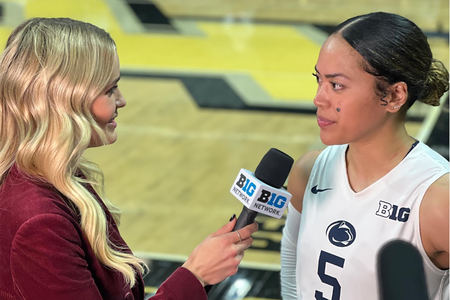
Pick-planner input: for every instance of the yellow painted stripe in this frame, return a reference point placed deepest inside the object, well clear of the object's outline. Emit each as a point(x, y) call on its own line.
point(278, 57)
point(92, 11)
point(153, 290)
point(150, 290)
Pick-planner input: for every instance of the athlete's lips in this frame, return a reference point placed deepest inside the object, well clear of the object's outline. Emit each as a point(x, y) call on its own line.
point(323, 122)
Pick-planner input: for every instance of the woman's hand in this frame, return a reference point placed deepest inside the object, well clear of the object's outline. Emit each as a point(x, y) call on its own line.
point(219, 254)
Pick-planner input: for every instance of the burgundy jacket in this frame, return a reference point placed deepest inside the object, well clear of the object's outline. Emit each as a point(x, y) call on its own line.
point(44, 254)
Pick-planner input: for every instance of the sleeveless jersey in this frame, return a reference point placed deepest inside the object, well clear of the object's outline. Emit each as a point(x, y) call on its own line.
point(342, 231)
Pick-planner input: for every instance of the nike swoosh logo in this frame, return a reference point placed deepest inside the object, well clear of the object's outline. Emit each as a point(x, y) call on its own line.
point(315, 190)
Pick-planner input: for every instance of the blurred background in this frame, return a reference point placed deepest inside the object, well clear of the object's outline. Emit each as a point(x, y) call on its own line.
point(211, 86)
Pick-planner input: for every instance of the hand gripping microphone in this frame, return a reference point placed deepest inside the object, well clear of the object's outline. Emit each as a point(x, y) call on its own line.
point(261, 192)
point(400, 272)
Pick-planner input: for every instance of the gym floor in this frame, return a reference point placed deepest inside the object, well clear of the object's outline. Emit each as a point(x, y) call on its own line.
point(211, 86)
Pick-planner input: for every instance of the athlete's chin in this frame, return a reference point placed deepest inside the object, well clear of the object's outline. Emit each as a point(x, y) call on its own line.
point(330, 140)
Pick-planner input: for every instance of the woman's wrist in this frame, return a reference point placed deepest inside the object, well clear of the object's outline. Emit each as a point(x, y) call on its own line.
point(193, 273)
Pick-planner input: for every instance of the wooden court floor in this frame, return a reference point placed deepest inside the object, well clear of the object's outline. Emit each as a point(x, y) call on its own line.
point(208, 94)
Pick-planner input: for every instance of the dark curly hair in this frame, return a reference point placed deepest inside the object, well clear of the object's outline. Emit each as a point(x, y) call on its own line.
point(396, 50)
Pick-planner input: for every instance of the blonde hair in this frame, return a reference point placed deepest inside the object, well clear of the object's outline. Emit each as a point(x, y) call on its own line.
point(51, 71)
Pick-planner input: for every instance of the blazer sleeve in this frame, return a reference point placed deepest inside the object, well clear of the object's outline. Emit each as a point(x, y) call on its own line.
point(181, 285)
point(47, 261)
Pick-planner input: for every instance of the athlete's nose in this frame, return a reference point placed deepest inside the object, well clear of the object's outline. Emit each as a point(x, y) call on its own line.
point(322, 96)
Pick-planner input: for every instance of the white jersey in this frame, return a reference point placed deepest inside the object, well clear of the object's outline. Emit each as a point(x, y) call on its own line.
point(342, 231)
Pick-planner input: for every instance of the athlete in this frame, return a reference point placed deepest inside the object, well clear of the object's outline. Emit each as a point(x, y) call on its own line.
point(374, 183)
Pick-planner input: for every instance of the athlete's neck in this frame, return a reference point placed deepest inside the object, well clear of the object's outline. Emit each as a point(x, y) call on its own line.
point(368, 161)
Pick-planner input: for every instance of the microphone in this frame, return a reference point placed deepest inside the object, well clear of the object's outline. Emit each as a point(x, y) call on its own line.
point(400, 272)
point(261, 192)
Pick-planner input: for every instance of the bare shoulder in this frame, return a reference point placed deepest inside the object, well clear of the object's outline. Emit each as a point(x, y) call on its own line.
point(306, 162)
point(299, 176)
point(436, 199)
point(434, 220)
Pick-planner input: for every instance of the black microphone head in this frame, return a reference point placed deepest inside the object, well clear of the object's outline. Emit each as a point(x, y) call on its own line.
point(274, 168)
point(400, 272)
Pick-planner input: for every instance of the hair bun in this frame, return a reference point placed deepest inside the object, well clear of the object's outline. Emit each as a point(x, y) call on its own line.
point(436, 84)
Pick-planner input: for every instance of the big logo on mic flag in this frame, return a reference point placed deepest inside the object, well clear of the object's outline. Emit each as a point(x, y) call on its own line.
point(258, 196)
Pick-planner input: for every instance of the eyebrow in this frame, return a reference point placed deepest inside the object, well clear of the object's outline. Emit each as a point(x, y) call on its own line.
point(333, 75)
point(112, 83)
point(116, 80)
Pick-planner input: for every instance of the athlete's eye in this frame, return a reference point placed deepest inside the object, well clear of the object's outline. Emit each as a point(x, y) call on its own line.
point(336, 86)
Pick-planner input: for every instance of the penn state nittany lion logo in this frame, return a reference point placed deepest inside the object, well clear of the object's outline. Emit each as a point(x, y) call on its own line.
point(341, 233)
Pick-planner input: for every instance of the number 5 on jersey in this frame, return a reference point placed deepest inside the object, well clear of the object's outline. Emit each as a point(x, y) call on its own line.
point(325, 258)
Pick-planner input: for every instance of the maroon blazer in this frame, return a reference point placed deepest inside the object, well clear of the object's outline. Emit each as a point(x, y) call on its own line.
point(44, 254)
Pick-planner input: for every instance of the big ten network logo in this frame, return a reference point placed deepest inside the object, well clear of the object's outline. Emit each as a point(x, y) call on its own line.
point(265, 196)
point(258, 196)
point(392, 211)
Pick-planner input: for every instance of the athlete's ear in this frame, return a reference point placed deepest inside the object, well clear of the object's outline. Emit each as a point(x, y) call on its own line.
point(398, 94)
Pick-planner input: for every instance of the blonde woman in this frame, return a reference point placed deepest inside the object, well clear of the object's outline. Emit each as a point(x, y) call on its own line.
point(59, 235)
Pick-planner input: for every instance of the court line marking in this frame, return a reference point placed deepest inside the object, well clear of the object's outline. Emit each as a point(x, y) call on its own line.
point(190, 135)
point(430, 121)
point(183, 258)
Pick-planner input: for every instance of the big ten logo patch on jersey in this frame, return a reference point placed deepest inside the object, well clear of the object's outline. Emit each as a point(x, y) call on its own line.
point(392, 211)
point(259, 196)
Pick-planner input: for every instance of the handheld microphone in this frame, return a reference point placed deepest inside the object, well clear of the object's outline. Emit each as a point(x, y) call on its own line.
point(261, 192)
point(400, 272)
